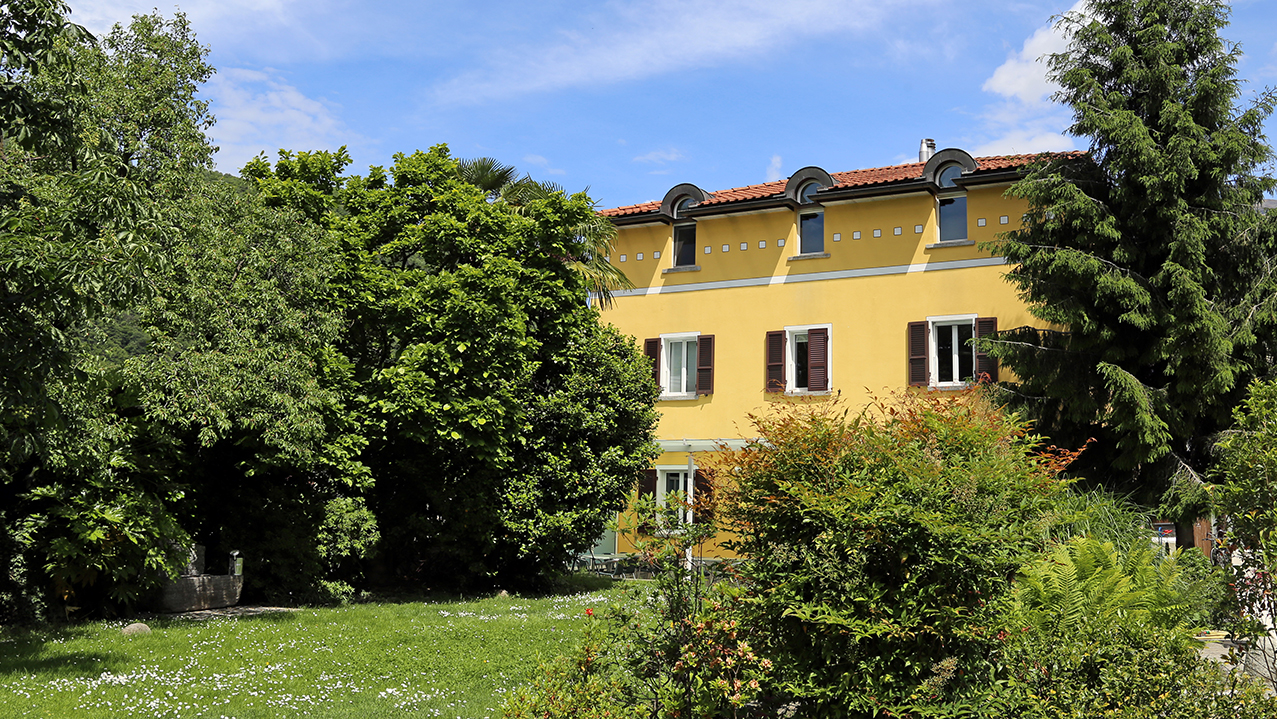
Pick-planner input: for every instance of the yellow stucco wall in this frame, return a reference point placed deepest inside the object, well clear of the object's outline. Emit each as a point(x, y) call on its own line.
point(868, 314)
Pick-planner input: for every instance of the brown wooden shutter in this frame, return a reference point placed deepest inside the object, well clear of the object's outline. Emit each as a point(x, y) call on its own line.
point(702, 498)
point(984, 364)
point(652, 348)
point(705, 364)
point(918, 370)
point(774, 352)
point(817, 360)
point(646, 490)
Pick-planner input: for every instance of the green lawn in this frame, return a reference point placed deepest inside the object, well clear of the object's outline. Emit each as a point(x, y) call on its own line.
point(457, 659)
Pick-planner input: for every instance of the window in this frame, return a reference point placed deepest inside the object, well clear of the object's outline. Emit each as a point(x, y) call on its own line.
point(953, 205)
point(684, 236)
point(682, 364)
point(941, 354)
point(811, 223)
point(662, 481)
point(797, 360)
point(952, 355)
point(811, 230)
point(670, 482)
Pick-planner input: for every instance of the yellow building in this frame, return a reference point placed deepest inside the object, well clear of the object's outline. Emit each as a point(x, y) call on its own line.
point(852, 283)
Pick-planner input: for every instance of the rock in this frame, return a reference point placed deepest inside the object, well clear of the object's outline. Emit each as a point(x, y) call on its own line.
point(136, 628)
point(503, 593)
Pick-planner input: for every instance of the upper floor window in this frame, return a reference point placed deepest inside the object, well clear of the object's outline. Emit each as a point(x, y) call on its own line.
point(797, 359)
point(952, 355)
point(942, 354)
point(684, 235)
point(682, 364)
point(811, 222)
point(953, 205)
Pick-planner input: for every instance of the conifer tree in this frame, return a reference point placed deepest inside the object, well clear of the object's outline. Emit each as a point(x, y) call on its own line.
point(1147, 256)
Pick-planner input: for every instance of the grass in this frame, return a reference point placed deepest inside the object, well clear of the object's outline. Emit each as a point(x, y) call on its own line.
point(413, 659)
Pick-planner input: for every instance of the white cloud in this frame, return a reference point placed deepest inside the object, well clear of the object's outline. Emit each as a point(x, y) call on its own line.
point(1026, 120)
point(280, 30)
point(642, 39)
point(544, 164)
point(99, 15)
point(660, 157)
point(258, 111)
point(1023, 75)
point(773, 169)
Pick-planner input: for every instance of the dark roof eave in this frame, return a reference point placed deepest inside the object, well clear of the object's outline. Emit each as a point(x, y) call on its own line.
point(639, 218)
point(991, 177)
point(724, 208)
point(849, 193)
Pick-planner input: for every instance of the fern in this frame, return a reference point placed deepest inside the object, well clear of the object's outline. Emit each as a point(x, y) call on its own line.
point(1089, 581)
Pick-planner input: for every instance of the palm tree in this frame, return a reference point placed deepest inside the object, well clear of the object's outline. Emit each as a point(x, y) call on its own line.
point(594, 236)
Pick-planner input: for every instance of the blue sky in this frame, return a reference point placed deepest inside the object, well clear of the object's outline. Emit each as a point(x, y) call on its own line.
point(630, 98)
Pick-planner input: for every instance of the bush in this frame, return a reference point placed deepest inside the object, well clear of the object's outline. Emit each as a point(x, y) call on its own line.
point(676, 647)
point(1126, 670)
point(580, 686)
point(1246, 493)
point(876, 543)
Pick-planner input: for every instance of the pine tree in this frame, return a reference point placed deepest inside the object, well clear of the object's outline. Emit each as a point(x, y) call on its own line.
point(1147, 256)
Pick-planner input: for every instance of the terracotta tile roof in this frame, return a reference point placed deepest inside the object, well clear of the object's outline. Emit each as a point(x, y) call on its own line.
point(854, 178)
point(652, 206)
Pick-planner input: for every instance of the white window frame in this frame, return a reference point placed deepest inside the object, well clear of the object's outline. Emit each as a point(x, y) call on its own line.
point(666, 341)
point(791, 363)
point(933, 325)
point(686, 468)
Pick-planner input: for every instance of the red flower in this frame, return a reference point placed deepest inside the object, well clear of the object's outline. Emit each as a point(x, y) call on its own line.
point(589, 612)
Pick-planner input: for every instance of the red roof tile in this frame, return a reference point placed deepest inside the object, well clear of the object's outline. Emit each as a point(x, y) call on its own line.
point(652, 206)
point(854, 178)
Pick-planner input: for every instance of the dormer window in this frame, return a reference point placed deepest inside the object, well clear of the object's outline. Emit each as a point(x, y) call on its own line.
point(808, 191)
point(681, 207)
point(952, 205)
point(811, 221)
point(684, 234)
point(949, 174)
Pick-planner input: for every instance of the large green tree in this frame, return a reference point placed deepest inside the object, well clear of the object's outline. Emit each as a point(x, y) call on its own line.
point(168, 339)
point(504, 424)
point(1147, 255)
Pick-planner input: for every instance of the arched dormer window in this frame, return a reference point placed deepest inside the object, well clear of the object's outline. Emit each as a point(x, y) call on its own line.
point(681, 205)
point(801, 189)
point(948, 174)
point(805, 195)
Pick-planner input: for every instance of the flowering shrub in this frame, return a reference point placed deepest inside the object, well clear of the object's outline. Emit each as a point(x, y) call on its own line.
point(876, 542)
